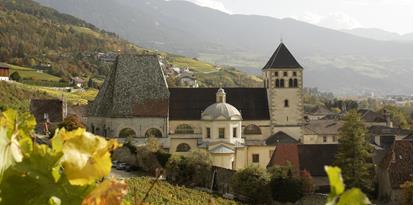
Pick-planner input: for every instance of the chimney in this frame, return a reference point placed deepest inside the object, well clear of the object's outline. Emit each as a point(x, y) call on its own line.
point(387, 116)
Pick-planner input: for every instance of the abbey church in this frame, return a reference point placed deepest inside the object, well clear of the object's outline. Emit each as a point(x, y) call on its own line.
point(237, 126)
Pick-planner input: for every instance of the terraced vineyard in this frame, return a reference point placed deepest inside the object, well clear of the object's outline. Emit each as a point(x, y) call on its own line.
point(165, 193)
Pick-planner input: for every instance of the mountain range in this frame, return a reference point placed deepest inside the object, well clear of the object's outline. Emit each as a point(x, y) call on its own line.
point(379, 34)
point(333, 60)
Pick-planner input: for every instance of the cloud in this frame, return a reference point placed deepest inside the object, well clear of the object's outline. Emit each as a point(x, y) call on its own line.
point(214, 4)
point(334, 20)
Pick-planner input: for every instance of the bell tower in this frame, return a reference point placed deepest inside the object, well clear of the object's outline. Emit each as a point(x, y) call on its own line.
point(283, 79)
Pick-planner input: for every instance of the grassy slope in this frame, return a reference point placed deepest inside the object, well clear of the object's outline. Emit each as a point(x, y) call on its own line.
point(26, 72)
point(17, 95)
point(164, 192)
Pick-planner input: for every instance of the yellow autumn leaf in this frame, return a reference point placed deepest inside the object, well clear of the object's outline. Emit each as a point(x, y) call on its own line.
point(109, 192)
point(86, 157)
point(10, 152)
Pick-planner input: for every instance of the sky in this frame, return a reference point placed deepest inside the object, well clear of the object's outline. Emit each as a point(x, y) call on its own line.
point(390, 15)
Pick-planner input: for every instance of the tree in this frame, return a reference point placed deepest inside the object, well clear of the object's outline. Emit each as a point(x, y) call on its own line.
point(71, 122)
point(252, 182)
point(90, 83)
point(15, 76)
point(308, 184)
point(354, 153)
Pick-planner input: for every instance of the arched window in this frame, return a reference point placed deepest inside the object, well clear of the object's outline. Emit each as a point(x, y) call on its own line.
point(183, 147)
point(282, 83)
point(153, 132)
point(290, 83)
point(286, 103)
point(277, 84)
point(295, 83)
point(252, 130)
point(184, 129)
point(127, 132)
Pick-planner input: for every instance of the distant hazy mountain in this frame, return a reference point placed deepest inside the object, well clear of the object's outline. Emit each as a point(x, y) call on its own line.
point(333, 60)
point(379, 34)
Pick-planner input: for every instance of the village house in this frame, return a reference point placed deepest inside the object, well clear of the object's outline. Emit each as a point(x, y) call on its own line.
point(238, 126)
point(4, 72)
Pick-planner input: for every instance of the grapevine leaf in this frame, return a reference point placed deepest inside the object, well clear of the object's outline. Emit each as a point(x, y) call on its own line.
point(23, 124)
point(336, 183)
point(109, 192)
point(54, 201)
point(353, 196)
point(9, 151)
point(86, 156)
point(31, 181)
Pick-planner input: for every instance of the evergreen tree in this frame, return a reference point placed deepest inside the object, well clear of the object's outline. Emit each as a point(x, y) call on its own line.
point(15, 76)
point(354, 155)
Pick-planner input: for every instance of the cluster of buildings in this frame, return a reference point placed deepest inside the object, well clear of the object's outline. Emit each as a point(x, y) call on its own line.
point(238, 126)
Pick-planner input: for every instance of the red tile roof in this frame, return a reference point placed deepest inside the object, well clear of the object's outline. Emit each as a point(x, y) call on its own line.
point(285, 154)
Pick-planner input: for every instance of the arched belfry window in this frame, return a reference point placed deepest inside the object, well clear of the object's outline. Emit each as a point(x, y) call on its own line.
point(286, 103)
point(290, 83)
point(295, 83)
point(282, 83)
point(183, 147)
point(277, 83)
point(252, 130)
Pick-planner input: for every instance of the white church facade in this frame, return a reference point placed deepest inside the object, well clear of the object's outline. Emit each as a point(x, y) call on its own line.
point(237, 126)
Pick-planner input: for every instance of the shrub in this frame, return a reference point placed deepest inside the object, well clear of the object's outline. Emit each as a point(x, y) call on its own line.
point(162, 157)
point(193, 169)
point(15, 76)
point(71, 122)
point(286, 189)
point(308, 185)
point(252, 182)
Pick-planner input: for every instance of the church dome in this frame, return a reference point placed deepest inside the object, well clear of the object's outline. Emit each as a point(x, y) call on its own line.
point(221, 110)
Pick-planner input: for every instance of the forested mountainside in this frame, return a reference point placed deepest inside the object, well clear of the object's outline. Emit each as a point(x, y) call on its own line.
point(39, 37)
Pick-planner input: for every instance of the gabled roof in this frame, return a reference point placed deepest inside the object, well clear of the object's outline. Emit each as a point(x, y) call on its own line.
point(371, 116)
point(189, 103)
point(280, 138)
point(282, 58)
point(285, 154)
point(328, 127)
point(399, 161)
point(221, 149)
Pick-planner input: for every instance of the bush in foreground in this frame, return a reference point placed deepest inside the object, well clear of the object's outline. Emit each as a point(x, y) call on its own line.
point(252, 182)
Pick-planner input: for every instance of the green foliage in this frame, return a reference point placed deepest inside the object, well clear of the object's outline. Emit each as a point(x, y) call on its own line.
point(289, 189)
point(165, 193)
point(71, 122)
point(15, 76)
point(338, 195)
point(252, 182)
point(285, 184)
point(354, 154)
point(192, 169)
point(67, 171)
point(162, 157)
point(401, 115)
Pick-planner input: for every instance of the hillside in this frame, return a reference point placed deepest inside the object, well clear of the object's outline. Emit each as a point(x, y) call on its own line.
point(165, 193)
point(333, 60)
point(378, 34)
point(59, 46)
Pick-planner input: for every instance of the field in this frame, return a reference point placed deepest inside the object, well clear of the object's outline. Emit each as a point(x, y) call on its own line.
point(17, 95)
point(195, 65)
point(30, 73)
point(165, 193)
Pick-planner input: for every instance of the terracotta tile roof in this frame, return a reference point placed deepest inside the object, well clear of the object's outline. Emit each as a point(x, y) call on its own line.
point(285, 154)
point(282, 58)
point(188, 103)
point(399, 161)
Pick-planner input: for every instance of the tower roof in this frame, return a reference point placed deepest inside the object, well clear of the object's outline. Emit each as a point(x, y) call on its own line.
point(282, 58)
point(135, 87)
